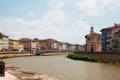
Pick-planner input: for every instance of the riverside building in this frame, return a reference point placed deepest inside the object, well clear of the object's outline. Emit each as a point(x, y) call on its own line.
point(111, 38)
point(93, 41)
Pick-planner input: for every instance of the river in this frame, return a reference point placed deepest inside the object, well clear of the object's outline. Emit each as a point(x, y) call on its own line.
point(63, 68)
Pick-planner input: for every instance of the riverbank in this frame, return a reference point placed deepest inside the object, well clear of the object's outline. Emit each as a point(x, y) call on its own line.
point(89, 58)
point(12, 55)
point(55, 53)
point(15, 73)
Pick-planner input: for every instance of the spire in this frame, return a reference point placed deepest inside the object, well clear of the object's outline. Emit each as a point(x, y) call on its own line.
point(92, 30)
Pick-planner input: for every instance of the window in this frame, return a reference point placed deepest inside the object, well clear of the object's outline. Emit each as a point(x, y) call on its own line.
point(108, 43)
point(88, 39)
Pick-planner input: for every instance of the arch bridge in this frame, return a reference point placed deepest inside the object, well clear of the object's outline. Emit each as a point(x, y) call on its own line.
point(41, 52)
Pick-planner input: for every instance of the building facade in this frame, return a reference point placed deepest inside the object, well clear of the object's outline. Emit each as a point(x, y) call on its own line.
point(49, 44)
point(37, 43)
point(27, 43)
point(110, 38)
point(116, 40)
point(1, 41)
point(93, 41)
point(79, 47)
point(71, 47)
point(64, 46)
point(5, 42)
point(21, 47)
point(15, 45)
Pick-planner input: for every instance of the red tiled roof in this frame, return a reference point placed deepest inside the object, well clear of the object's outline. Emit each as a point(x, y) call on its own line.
point(47, 40)
point(13, 40)
point(95, 34)
point(25, 39)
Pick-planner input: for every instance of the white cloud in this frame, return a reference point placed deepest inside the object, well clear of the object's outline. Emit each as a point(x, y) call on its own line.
point(97, 7)
point(106, 2)
point(18, 28)
point(21, 21)
point(45, 26)
point(31, 13)
point(76, 33)
point(110, 2)
point(55, 16)
point(53, 24)
point(56, 4)
point(90, 7)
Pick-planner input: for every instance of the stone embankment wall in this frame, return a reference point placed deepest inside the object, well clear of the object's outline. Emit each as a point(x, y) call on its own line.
point(55, 53)
point(102, 55)
point(16, 54)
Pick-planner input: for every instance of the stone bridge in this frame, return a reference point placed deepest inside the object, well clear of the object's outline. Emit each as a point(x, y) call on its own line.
point(52, 52)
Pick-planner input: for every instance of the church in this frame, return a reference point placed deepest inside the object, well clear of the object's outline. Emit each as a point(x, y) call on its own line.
point(93, 41)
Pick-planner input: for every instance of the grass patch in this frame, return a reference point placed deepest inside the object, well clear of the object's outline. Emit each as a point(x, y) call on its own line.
point(4, 57)
point(106, 61)
point(85, 58)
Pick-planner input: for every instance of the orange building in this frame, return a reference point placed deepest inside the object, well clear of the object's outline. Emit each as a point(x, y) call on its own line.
point(93, 42)
point(49, 44)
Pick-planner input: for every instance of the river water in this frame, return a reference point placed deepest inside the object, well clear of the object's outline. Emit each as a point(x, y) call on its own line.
point(63, 68)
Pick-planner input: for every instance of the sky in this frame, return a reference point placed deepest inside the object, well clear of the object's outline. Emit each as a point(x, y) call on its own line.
point(63, 20)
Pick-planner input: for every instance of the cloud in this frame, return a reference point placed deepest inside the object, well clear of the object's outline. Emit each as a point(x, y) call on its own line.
point(110, 2)
point(106, 2)
point(56, 16)
point(90, 7)
point(54, 24)
point(59, 27)
point(56, 4)
point(21, 22)
point(97, 7)
point(76, 31)
point(20, 27)
point(31, 13)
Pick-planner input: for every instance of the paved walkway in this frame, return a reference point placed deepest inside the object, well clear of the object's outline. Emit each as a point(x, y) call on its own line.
point(8, 76)
point(15, 73)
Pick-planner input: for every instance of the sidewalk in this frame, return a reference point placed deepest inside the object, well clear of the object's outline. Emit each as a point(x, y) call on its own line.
point(8, 76)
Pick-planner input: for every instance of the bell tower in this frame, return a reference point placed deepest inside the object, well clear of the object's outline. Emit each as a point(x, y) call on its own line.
point(92, 30)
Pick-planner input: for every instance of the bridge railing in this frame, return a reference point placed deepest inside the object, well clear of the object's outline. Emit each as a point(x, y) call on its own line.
point(49, 51)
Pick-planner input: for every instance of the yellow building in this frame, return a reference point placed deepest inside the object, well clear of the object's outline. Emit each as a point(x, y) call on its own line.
point(21, 47)
point(15, 45)
point(1, 43)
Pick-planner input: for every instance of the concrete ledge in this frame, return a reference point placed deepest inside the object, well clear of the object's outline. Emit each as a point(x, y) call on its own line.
point(8, 76)
point(21, 74)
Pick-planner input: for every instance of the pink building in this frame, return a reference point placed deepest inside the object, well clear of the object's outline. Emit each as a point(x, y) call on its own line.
point(93, 42)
